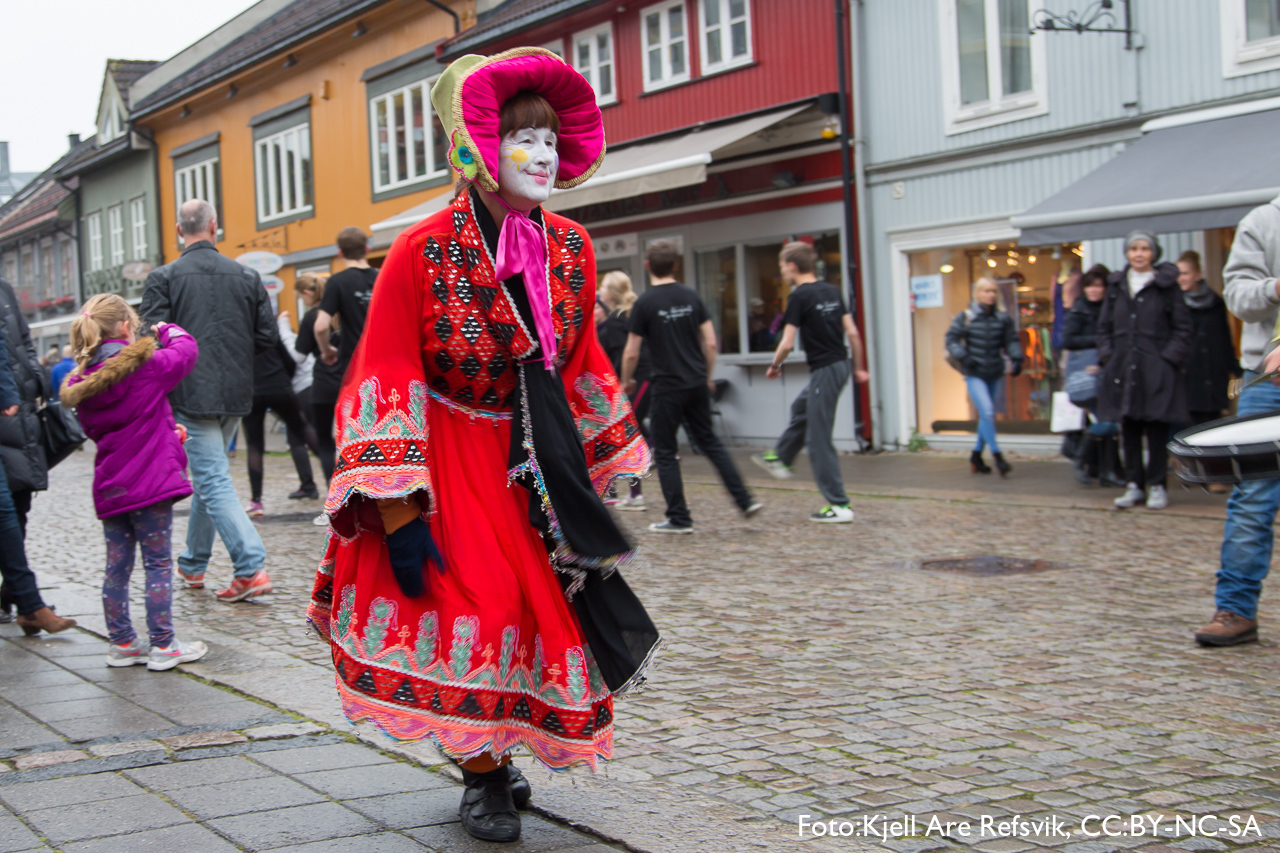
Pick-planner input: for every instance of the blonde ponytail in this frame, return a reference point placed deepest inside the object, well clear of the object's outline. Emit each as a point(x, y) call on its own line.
point(618, 286)
point(99, 320)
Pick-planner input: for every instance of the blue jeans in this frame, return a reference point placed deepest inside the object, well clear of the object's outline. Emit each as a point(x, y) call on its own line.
point(215, 506)
point(19, 581)
point(1251, 514)
point(984, 393)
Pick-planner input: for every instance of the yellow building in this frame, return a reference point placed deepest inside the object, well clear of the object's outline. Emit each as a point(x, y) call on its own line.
point(298, 118)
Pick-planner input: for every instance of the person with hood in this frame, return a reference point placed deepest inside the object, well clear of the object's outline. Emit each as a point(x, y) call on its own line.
point(1099, 455)
point(119, 389)
point(1252, 293)
point(1213, 360)
point(1144, 339)
point(470, 587)
point(981, 338)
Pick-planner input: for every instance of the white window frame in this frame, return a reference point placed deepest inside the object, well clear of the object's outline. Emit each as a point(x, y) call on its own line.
point(667, 79)
point(556, 46)
point(961, 117)
point(189, 181)
point(138, 227)
point(93, 228)
point(1239, 55)
point(115, 233)
point(726, 38)
point(433, 170)
point(592, 69)
point(273, 200)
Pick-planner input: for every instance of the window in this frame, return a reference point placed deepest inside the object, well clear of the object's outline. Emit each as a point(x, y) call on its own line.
point(726, 34)
point(556, 46)
point(718, 287)
point(138, 225)
point(93, 225)
point(110, 128)
point(283, 169)
point(409, 144)
point(1250, 36)
point(593, 57)
point(69, 265)
point(199, 180)
point(992, 67)
point(665, 55)
point(115, 229)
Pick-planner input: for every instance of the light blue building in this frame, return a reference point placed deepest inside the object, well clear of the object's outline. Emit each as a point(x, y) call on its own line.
point(1000, 143)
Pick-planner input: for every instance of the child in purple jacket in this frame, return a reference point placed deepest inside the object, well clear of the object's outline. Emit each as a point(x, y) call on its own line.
point(119, 389)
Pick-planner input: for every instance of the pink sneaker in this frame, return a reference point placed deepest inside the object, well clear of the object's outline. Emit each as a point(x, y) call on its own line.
point(255, 509)
point(242, 588)
point(135, 652)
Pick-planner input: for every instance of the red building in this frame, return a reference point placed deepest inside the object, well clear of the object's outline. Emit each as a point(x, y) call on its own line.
point(718, 140)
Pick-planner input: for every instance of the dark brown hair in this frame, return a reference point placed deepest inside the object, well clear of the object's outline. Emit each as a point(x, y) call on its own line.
point(527, 109)
point(353, 243)
point(801, 254)
point(662, 257)
point(1192, 257)
point(1097, 273)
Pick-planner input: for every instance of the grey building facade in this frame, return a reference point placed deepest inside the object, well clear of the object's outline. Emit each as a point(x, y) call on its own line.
point(993, 147)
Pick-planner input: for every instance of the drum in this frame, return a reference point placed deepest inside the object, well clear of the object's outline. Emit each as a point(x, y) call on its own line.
point(1230, 450)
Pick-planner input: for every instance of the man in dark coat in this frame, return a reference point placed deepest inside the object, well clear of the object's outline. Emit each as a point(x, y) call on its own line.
point(225, 307)
point(21, 448)
point(1144, 338)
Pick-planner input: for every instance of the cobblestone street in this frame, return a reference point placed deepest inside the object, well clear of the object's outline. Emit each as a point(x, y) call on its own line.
point(817, 669)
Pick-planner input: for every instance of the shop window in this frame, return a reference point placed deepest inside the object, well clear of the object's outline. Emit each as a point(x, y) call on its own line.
point(718, 287)
point(766, 296)
point(1250, 36)
point(115, 232)
point(282, 162)
point(993, 70)
point(93, 225)
point(726, 34)
point(593, 57)
point(409, 145)
point(1031, 282)
point(665, 45)
point(138, 225)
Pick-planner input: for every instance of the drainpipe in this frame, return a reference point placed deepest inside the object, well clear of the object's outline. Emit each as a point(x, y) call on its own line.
point(853, 267)
point(860, 207)
point(457, 22)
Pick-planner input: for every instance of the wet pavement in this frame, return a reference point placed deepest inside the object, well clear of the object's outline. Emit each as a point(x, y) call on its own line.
point(810, 669)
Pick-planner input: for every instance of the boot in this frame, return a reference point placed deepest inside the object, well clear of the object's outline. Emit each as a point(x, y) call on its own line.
point(1109, 473)
point(487, 810)
point(44, 619)
point(1003, 467)
point(1086, 461)
point(976, 465)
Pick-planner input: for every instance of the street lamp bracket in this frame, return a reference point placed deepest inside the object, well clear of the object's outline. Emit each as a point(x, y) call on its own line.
point(1098, 17)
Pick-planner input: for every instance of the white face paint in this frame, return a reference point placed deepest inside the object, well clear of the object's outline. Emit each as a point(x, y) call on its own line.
point(527, 168)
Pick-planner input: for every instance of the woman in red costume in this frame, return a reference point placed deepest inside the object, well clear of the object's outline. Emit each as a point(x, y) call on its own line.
point(469, 589)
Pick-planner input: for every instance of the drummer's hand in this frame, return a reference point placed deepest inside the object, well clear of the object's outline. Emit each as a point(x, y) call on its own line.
point(1271, 364)
point(1093, 370)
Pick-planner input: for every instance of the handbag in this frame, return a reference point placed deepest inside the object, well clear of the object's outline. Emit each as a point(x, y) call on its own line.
point(1081, 386)
point(60, 432)
point(1066, 415)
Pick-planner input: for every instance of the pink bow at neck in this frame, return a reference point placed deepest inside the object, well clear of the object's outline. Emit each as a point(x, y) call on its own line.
point(522, 248)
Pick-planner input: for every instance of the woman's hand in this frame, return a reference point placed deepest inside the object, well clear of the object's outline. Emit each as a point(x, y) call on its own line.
point(1093, 370)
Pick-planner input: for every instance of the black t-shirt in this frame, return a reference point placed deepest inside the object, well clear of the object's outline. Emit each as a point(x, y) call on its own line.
point(817, 309)
point(326, 379)
point(347, 295)
point(670, 317)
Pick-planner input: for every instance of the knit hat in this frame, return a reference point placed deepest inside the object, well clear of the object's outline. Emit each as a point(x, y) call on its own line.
point(1156, 250)
point(469, 96)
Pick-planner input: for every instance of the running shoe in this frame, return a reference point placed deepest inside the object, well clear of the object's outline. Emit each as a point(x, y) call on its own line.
point(192, 581)
point(255, 509)
point(1132, 497)
point(755, 507)
point(635, 504)
point(127, 655)
point(177, 652)
point(303, 493)
point(242, 588)
point(668, 527)
point(770, 462)
point(833, 515)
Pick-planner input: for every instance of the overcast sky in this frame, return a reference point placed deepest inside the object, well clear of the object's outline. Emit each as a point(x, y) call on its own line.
point(56, 51)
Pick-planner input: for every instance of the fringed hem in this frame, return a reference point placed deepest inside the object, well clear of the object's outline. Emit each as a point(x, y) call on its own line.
point(637, 681)
point(462, 740)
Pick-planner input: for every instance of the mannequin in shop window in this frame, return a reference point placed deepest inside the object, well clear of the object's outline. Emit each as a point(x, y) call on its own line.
point(983, 342)
point(1144, 338)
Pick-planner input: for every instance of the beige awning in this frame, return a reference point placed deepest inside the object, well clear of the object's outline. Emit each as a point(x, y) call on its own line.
point(386, 231)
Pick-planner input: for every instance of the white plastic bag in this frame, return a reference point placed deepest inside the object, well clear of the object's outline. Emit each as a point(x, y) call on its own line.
point(1066, 416)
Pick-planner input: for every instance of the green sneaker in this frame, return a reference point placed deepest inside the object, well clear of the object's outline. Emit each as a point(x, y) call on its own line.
point(833, 515)
point(770, 462)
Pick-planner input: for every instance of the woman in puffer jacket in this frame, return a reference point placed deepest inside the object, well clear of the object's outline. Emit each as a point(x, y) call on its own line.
point(980, 340)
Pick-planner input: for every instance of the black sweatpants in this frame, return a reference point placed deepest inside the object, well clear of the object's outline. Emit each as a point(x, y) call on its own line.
point(1157, 468)
point(692, 406)
point(322, 415)
point(300, 437)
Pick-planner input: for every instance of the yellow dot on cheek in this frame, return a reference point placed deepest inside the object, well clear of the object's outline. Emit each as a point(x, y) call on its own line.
point(518, 155)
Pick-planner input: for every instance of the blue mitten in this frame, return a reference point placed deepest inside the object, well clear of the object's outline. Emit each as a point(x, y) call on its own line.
point(411, 548)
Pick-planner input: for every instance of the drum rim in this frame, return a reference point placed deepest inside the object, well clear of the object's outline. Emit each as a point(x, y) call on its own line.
point(1179, 447)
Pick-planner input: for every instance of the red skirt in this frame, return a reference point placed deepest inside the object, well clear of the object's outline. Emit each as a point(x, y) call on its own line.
point(493, 656)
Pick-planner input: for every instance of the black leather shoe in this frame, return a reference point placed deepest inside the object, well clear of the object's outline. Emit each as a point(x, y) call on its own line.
point(303, 493)
point(487, 810)
point(521, 791)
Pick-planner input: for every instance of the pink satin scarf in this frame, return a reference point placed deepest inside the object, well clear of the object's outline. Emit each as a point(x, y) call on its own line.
point(522, 249)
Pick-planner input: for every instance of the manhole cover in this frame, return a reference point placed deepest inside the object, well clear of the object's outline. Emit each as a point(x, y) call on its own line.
point(985, 565)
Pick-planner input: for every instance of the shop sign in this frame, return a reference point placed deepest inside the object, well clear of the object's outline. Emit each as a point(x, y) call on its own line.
point(274, 285)
point(263, 263)
point(136, 271)
point(927, 291)
point(618, 246)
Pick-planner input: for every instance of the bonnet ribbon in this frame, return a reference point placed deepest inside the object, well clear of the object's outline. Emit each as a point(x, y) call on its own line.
point(522, 248)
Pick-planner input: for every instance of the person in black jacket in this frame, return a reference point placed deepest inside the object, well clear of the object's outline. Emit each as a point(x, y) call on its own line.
point(225, 307)
point(1099, 455)
point(615, 302)
point(273, 390)
point(980, 340)
point(1213, 359)
point(1144, 338)
point(326, 379)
